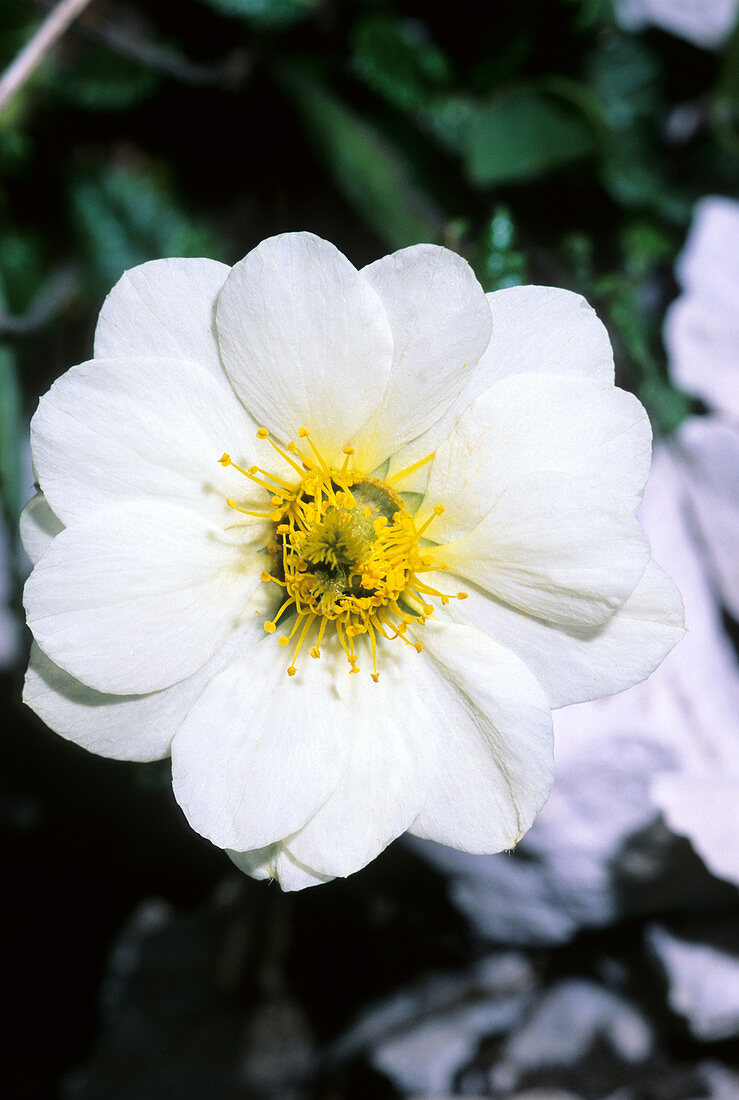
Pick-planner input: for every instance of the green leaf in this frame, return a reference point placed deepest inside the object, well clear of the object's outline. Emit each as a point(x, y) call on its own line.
point(16, 147)
point(21, 271)
point(373, 174)
point(592, 12)
point(100, 80)
point(499, 263)
point(397, 59)
point(636, 181)
point(124, 218)
point(624, 76)
point(625, 81)
point(524, 134)
point(274, 14)
point(11, 433)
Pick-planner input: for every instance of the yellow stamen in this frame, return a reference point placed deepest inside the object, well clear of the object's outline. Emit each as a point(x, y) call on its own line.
point(262, 433)
point(345, 553)
point(411, 469)
point(316, 651)
point(309, 620)
point(305, 434)
point(348, 451)
point(274, 516)
point(438, 511)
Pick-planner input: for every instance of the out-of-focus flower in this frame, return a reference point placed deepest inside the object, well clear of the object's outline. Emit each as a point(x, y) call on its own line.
point(702, 325)
point(703, 984)
point(699, 798)
point(702, 338)
point(704, 22)
point(413, 454)
point(667, 746)
point(708, 449)
point(424, 1035)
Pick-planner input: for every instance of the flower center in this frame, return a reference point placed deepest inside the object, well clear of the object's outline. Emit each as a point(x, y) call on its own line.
point(346, 552)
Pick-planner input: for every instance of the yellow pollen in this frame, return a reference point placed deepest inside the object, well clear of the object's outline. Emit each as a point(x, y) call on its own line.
point(344, 551)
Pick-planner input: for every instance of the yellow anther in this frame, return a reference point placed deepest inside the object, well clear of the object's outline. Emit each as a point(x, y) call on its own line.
point(345, 551)
point(348, 451)
point(438, 511)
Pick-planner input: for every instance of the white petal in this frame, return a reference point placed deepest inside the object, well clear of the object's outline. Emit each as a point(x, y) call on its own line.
point(704, 22)
point(710, 261)
point(163, 309)
point(702, 338)
point(261, 752)
point(391, 741)
point(536, 329)
point(597, 435)
point(710, 448)
point(275, 862)
point(567, 555)
point(543, 328)
point(701, 327)
point(126, 727)
point(441, 325)
point(135, 598)
point(108, 430)
point(494, 732)
point(304, 339)
point(38, 527)
point(705, 808)
point(576, 665)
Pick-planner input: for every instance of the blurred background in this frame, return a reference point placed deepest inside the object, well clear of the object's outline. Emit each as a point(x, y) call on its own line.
point(588, 144)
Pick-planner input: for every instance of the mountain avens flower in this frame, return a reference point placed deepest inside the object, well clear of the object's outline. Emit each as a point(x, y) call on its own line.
point(338, 541)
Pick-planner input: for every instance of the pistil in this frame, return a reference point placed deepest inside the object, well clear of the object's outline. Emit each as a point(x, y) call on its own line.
point(345, 552)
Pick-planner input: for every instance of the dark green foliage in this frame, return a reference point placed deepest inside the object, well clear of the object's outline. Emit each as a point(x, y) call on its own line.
point(540, 140)
point(399, 61)
point(499, 263)
point(264, 13)
point(123, 218)
point(372, 172)
point(11, 432)
point(525, 133)
point(97, 79)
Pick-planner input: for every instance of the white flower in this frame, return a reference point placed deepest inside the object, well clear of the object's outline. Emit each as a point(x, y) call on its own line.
point(163, 578)
point(702, 339)
point(702, 325)
point(706, 23)
point(661, 754)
